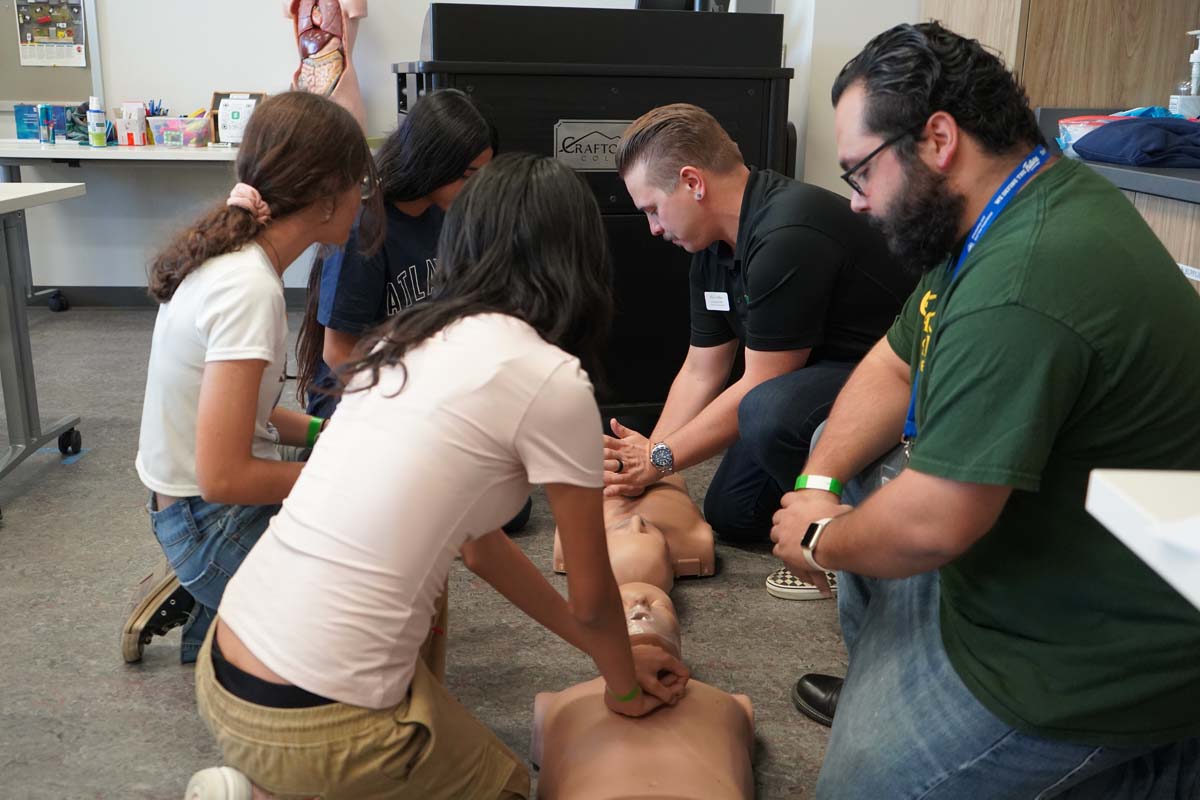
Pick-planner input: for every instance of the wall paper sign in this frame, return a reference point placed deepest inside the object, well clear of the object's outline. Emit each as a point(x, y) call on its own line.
point(588, 145)
point(50, 33)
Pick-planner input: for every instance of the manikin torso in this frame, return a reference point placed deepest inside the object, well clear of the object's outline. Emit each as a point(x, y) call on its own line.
point(665, 509)
point(699, 748)
point(325, 33)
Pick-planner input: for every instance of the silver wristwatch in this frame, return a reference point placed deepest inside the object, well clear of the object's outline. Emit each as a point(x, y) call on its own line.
point(809, 543)
point(662, 458)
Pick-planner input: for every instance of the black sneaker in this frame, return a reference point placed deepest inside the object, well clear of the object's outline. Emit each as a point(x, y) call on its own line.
point(158, 604)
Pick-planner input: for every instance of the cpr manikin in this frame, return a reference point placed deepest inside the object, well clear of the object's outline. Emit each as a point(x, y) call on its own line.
point(700, 747)
point(325, 33)
point(666, 511)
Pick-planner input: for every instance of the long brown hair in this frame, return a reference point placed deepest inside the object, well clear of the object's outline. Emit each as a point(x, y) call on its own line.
point(298, 149)
point(524, 238)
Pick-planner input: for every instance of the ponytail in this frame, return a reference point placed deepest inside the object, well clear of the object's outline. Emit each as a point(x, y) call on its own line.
point(222, 230)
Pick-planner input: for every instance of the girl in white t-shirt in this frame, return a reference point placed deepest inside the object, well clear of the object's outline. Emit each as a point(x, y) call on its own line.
point(208, 449)
point(316, 677)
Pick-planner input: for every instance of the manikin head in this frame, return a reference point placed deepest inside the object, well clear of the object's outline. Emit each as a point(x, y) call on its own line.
point(918, 113)
point(650, 616)
point(638, 552)
point(672, 159)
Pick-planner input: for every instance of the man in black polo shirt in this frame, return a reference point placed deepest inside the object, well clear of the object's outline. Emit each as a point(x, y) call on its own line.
point(782, 268)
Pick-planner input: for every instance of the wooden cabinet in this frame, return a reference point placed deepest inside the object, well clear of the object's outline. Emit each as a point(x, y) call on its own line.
point(1082, 53)
point(998, 24)
point(1177, 225)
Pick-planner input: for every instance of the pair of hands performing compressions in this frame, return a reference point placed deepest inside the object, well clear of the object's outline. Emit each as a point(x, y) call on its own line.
point(628, 471)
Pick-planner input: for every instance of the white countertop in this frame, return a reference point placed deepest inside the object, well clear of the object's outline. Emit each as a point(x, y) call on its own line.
point(1157, 515)
point(17, 196)
point(24, 149)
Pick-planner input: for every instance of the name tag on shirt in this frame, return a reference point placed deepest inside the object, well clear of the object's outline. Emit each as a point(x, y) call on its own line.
point(716, 301)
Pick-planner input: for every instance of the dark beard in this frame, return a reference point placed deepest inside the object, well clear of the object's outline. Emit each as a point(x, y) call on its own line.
point(921, 228)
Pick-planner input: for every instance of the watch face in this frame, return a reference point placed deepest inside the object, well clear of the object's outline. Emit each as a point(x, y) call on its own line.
point(661, 457)
point(809, 534)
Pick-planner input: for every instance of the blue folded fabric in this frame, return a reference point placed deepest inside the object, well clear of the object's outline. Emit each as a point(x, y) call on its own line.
point(1141, 142)
point(1154, 112)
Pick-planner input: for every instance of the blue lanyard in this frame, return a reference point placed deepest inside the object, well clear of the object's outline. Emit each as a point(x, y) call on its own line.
point(1000, 200)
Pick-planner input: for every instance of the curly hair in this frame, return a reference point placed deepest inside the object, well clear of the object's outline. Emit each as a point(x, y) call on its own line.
point(911, 71)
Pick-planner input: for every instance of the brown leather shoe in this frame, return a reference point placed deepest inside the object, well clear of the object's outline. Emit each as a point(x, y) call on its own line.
point(816, 697)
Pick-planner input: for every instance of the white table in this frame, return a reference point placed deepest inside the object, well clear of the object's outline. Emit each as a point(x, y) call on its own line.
point(22, 152)
point(16, 153)
point(1157, 515)
point(25, 432)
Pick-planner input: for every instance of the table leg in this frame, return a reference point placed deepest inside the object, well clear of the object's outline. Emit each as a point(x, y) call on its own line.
point(11, 173)
point(25, 433)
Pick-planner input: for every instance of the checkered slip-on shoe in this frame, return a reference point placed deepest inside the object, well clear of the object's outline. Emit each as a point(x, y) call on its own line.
point(219, 783)
point(783, 584)
point(158, 604)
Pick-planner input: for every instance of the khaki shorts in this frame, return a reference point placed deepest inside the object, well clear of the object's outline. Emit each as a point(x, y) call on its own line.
point(427, 746)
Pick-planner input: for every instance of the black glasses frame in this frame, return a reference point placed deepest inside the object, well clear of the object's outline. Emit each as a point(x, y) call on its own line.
point(848, 175)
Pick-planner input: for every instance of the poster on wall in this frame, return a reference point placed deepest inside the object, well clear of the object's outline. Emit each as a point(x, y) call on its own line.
point(50, 33)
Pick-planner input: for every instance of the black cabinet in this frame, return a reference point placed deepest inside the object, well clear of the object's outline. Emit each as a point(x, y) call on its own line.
point(564, 82)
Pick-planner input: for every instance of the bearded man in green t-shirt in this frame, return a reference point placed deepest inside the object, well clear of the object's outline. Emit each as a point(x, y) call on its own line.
point(1002, 643)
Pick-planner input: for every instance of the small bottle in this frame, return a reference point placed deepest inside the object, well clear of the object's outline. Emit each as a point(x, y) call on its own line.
point(96, 124)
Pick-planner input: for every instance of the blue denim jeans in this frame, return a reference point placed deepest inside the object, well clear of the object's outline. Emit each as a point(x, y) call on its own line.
point(907, 727)
point(205, 543)
point(776, 421)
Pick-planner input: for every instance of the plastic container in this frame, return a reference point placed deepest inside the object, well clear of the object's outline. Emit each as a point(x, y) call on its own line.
point(1071, 129)
point(181, 131)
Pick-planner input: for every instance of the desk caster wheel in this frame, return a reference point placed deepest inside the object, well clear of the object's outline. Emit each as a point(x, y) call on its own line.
point(70, 442)
point(58, 302)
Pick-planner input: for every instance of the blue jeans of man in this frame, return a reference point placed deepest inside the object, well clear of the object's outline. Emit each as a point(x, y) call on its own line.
point(907, 727)
point(205, 543)
point(776, 421)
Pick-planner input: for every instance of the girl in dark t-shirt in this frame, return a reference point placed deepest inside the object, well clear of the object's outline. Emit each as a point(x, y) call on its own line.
point(422, 167)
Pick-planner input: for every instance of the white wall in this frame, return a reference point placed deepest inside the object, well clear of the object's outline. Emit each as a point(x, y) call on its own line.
point(840, 30)
point(797, 42)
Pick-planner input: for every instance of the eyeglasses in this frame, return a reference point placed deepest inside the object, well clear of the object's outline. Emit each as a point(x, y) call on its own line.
point(368, 187)
point(848, 175)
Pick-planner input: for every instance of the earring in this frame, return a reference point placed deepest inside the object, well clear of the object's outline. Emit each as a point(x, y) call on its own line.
point(699, 196)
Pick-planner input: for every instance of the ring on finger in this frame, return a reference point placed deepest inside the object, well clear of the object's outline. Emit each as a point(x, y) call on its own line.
point(620, 466)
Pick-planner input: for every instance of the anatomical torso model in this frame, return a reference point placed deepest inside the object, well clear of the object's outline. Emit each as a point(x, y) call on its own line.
point(325, 34)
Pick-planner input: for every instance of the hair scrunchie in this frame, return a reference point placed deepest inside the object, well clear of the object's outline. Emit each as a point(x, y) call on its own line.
point(246, 196)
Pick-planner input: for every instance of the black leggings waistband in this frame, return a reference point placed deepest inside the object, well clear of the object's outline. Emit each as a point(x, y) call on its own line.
point(253, 689)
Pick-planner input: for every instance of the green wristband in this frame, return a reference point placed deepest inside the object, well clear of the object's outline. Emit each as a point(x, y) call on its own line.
point(633, 694)
point(832, 485)
point(314, 430)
